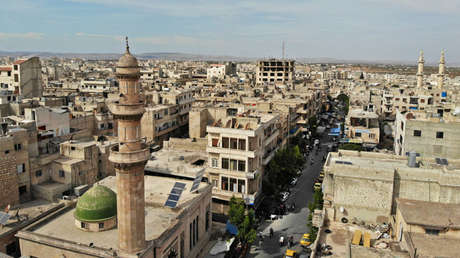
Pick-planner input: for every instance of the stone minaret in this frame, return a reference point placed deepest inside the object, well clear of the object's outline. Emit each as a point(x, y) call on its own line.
point(129, 156)
point(421, 62)
point(442, 70)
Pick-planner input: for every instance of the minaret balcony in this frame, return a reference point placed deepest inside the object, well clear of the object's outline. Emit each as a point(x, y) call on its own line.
point(126, 109)
point(129, 157)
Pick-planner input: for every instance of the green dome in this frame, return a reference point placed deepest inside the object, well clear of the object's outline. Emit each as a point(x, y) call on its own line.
point(97, 204)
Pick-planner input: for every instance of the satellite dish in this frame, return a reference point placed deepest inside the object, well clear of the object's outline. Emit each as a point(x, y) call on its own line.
point(341, 209)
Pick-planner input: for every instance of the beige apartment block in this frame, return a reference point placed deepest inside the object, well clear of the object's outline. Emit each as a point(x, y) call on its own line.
point(432, 135)
point(365, 186)
point(362, 127)
point(237, 146)
point(275, 71)
point(168, 113)
point(23, 77)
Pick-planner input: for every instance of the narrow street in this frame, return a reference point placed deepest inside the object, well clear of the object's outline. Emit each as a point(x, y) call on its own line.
point(294, 223)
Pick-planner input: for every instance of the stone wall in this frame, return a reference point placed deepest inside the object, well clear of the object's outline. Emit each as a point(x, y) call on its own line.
point(198, 145)
point(9, 193)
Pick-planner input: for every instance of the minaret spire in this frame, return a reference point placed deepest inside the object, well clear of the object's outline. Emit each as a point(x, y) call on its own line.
point(442, 70)
point(127, 45)
point(421, 62)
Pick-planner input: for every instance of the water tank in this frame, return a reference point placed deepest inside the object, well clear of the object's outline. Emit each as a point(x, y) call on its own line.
point(412, 159)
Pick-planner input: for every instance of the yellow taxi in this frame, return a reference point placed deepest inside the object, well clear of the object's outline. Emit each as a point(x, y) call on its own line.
point(290, 253)
point(305, 241)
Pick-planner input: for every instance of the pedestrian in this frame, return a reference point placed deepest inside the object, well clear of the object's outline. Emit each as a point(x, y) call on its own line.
point(271, 232)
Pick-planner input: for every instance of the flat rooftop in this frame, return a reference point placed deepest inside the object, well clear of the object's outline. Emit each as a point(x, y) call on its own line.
point(340, 239)
point(386, 162)
point(435, 246)
point(27, 212)
point(177, 163)
point(435, 214)
point(158, 218)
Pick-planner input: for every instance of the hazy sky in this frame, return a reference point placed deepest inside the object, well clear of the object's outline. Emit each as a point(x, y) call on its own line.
point(351, 29)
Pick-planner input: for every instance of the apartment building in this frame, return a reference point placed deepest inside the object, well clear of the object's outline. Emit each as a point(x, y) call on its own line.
point(167, 116)
point(23, 77)
point(219, 71)
point(365, 186)
point(431, 134)
point(92, 85)
point(237, 148)
point(54, 120)
point(362, 127)
point(275, 71)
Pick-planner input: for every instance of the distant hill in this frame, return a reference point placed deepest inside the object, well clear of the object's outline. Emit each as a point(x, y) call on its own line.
point(198, 57)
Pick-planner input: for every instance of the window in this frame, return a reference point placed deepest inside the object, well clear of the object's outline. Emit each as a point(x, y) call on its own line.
point(17, 147)
point(242, 144)
point(372, 136)
point(214, 162)
point(417, 133)
point(83, 225)
point(16, 78)
point(233, 164)
point(7, 152)
point(101, 225)
point(22, 190)
point(61, 173)
point(225, 142)
point(241, 186)
point(241, 165)
point(215, 142)
point(215, 182)
point(197, 228)
point(402, 125)
point(432, 231)
point(21, 168)
point(440, 135)
point(224, 163)
point(225, 183)
point(15, 67)
point(233, 185)
point(234, 143)
point(357, 134)
point(110, 125)
point(38, 173)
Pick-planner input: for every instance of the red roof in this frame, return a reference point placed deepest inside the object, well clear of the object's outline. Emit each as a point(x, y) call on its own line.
point(20, 61)
point(5, 68)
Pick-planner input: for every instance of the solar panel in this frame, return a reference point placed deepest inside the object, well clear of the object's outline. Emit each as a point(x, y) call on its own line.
point(179, 185)
point(174, 195)
point(4, 217)
point(197, 181)
point(171, 204)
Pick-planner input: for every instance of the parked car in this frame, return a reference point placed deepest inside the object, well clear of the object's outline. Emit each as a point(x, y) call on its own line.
point(294, 181)
point(317, 186)
point(321, 176)
point(290, 253)
point(305, 241)
point(284, 196)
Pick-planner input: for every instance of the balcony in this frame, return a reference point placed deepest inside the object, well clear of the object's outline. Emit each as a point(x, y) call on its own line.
point(252, 175)
point(129, 157)
point(243, 153)
point(272, 137)
point(269, 156)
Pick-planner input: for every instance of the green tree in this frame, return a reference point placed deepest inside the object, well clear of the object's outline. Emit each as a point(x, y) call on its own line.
point(243, 220)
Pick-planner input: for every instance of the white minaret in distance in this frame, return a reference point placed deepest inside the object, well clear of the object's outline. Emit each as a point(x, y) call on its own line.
point(421, 62)
point(442, 70)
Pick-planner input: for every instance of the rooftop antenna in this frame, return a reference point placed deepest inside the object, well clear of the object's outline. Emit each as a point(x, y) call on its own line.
point(284, 50)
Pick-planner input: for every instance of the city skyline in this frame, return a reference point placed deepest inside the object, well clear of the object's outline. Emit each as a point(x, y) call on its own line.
point(367, 30)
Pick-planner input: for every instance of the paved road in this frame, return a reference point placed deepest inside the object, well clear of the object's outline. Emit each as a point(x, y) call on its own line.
point(295, 222)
